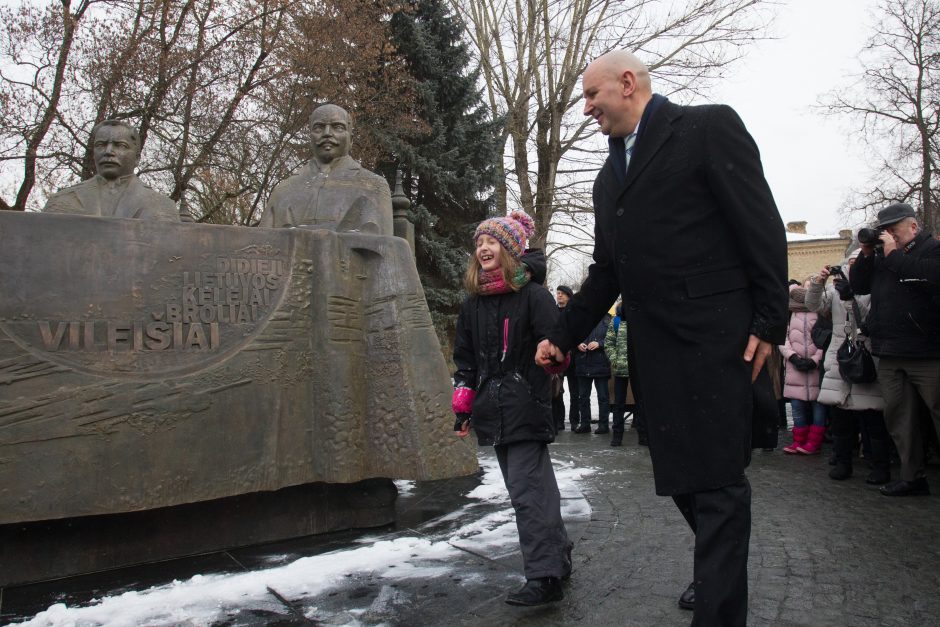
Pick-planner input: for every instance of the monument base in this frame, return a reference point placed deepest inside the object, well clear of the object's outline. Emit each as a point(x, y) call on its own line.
point(38, 551)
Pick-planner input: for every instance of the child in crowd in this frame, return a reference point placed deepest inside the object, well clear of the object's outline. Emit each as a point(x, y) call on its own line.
point(507, 398)
point(801, 379)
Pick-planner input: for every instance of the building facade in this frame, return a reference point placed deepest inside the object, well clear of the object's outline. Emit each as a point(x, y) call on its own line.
point(806, 254)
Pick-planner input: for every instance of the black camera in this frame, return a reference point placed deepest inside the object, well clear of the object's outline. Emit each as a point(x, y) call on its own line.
point(870, 237)
point(836, 271)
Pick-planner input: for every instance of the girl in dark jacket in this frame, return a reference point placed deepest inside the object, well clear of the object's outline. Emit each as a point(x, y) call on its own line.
point(507, 398)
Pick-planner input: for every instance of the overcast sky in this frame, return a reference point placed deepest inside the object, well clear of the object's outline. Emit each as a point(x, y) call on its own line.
point(810, 160)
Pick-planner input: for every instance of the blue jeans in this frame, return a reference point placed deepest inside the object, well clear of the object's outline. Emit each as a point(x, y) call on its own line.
point(807, 413)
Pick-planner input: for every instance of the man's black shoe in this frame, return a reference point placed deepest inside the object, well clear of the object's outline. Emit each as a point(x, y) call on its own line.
point(537, 592)
point(687, 598)
point(616, 439)
point(917, 487)
point(601, 430)
point(582, 429)
point(879, 476)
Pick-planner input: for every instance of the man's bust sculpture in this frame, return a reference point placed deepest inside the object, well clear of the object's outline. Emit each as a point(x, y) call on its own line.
point(115, 191)
point(332, 191)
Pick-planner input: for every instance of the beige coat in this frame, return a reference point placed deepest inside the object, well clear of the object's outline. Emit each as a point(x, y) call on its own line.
point(834, 389)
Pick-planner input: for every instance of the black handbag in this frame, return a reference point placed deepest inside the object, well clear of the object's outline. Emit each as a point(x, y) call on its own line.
point(822, 332)
point(856, 364)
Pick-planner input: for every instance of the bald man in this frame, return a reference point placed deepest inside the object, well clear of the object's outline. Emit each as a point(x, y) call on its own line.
point(332, 191)
point(686, 229)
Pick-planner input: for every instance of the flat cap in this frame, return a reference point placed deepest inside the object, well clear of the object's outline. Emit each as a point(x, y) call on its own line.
point(894, 213)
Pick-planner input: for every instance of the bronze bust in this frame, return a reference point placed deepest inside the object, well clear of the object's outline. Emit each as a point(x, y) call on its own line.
point(333, 191)
point(115, 191)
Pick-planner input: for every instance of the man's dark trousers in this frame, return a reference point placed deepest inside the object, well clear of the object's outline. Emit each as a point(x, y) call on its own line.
point(721, 522)
point(904, 384)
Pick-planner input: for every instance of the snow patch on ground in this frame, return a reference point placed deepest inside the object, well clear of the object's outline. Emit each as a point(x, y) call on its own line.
point(204, 599)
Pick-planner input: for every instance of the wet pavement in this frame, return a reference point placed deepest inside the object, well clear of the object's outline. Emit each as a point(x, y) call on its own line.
point(822, 553)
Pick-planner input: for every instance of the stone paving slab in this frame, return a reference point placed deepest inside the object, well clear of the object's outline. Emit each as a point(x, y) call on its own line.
point(822, 553)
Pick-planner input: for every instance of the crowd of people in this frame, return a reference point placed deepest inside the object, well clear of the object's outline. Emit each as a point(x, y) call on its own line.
point(704, 333)
point(600, 364)
point(883, 307)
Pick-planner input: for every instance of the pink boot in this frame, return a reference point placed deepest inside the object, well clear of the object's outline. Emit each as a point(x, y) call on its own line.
point(813, 442)
point(799, 439)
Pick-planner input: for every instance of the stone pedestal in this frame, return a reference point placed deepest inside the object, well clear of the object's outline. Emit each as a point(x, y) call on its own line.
point(148, 365)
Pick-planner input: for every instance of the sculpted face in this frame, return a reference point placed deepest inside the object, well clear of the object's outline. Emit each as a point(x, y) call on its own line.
point(115, 152)
point(329, 133)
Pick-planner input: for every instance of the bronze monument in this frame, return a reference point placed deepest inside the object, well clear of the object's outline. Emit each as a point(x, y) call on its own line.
point(171, 389)
point(115, 191)
point(332, 191)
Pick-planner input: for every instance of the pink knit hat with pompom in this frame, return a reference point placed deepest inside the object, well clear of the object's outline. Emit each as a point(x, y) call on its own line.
point(512, 231)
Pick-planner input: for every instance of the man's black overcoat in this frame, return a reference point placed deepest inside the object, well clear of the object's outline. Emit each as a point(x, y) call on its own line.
point(692, 238)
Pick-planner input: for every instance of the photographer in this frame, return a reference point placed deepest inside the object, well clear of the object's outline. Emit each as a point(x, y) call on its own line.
point(901, 271)
point(853, 407)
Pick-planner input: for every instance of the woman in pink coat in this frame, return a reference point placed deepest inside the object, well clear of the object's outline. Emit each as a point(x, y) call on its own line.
point(801, 379)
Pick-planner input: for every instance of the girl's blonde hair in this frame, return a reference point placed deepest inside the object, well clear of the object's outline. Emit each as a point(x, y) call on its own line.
point(508, 265)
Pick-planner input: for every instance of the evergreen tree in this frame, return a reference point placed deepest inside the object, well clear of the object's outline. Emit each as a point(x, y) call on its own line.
point(450, 165)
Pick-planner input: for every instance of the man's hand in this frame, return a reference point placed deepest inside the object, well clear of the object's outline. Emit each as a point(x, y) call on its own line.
point(756, 353)
point(582, 347)
point(889, 244)
point(593, 346)
point(547, 354)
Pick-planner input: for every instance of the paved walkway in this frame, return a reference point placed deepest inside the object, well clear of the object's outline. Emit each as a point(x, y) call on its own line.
point(822, 553)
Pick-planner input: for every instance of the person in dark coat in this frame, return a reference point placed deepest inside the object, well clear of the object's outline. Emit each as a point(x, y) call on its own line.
point(901, 271)
point(593, 369)
point(507, 398)
point(563, 294)
point(688, 231)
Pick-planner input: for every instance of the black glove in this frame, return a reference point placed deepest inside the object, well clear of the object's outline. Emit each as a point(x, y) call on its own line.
point(803, 364)
point(461, 418)
point(844, 288)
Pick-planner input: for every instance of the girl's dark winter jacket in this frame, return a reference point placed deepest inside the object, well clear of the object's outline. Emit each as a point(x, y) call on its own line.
point(494, 352)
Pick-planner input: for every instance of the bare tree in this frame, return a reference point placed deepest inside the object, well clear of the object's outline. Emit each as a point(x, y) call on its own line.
point(219, 89)
point(896, 100)
point(36, 44)
point(533, 53)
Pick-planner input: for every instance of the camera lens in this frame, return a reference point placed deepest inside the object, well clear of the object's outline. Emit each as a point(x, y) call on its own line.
point(869, 236)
